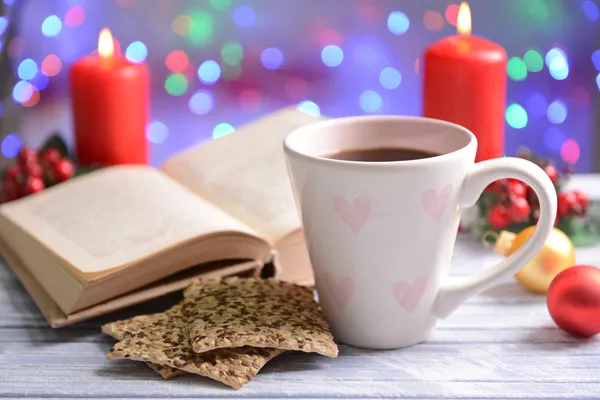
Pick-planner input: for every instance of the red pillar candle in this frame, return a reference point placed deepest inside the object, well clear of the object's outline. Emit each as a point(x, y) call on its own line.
point(464, 81)
point(110, 105)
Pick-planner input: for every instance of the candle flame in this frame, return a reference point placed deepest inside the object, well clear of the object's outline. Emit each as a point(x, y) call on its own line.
point(463, 21)
point(106, 46)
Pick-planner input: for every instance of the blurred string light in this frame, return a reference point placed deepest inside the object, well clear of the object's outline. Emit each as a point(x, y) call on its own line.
point(33, 100)
point(271, 58)
point(75, 16)
point(244, 16)
point(181, 25)
point(516, 69)
point(176, 84)
point(40, 81)
point(11, 144)
point(177, 61)
point(332, 55)
point(538, 9)
point(596, 59)
point(370, 101)
point(570, 152)
point(554, 139)
point(557, 112)
point(451, 14)
point(51, 26)
point(398, 23)
point(433, 21)
point(3, 24)
point(537, 105)
point(309, 107)
point(222, 129)
point(136, 52)
point(201, 28)
point(556, 61)
point(232, 53)
point(27, 69)
point(329, 36)
point(590, 9)
point(157, 132)
point(533, 60)
point(209, 72)
point(249, 99)
point(201, 102)
point(390, 78)
point(22, 91)
point(516, 116)
point(220, 4)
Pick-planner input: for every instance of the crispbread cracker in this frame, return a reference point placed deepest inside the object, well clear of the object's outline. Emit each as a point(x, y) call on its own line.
point(235, 312)
point(163, 339)
point(124, 328)
point(165, 371)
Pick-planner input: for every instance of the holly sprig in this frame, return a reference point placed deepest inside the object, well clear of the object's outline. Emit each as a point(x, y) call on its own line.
point(35, 170)
point(511, 205)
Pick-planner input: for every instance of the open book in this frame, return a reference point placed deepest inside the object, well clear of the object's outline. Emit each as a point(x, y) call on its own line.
point(125, 233)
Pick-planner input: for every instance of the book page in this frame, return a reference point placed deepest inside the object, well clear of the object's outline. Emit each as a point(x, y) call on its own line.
point(245, 173)
point(116, 216)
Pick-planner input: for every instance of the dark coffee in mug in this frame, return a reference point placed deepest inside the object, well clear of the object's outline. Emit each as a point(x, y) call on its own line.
point(383, 154)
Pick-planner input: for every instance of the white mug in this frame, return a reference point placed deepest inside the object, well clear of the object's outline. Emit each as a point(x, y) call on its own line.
point(380, 235)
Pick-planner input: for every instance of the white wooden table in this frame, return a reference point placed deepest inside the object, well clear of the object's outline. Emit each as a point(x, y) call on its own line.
point(500, 345)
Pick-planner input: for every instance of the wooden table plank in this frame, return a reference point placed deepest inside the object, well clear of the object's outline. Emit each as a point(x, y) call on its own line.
point(501, 344)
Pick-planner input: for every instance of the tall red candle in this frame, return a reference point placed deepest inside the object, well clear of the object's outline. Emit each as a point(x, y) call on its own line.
point(110, 105)
point(464, 81)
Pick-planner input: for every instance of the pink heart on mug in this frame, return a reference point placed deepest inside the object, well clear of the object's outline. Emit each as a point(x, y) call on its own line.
point(355, 215)
point(435, 204)
point(341, 290)
point(408, 296)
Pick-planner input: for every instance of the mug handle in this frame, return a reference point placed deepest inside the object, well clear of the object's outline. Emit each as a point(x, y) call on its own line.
point(457, 290)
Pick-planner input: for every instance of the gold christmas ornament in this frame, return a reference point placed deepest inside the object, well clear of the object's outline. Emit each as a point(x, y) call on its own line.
point(557, 254)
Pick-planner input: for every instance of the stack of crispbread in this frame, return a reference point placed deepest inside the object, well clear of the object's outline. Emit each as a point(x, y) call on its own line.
point(225, 329)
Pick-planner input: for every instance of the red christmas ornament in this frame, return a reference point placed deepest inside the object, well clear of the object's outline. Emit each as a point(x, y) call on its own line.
point(573, 300)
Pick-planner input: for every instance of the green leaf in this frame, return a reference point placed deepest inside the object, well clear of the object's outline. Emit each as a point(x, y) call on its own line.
point(583, 236)
point(57, 142)
point(83, 170)
point(581, 230)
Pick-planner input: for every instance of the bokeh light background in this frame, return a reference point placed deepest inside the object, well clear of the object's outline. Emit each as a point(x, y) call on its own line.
point(217, 64)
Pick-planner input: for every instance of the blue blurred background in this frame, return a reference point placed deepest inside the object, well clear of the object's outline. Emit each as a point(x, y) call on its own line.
point(216, 64)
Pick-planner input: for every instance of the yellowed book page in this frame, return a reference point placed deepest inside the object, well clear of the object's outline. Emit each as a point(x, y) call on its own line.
point(245, 173)
point(116, 216)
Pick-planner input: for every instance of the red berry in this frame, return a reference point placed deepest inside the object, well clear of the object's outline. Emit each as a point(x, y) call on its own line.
point(33, 169)
point(50, 157)
point(519, 209)
point(498, 217)
point(551, 172)
point(13, 173)
point(27, 155)
point(566, 201)
point(582, 199)
point(63, 170)
point(518, 189)
point(33, 185)
point(495, 186)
